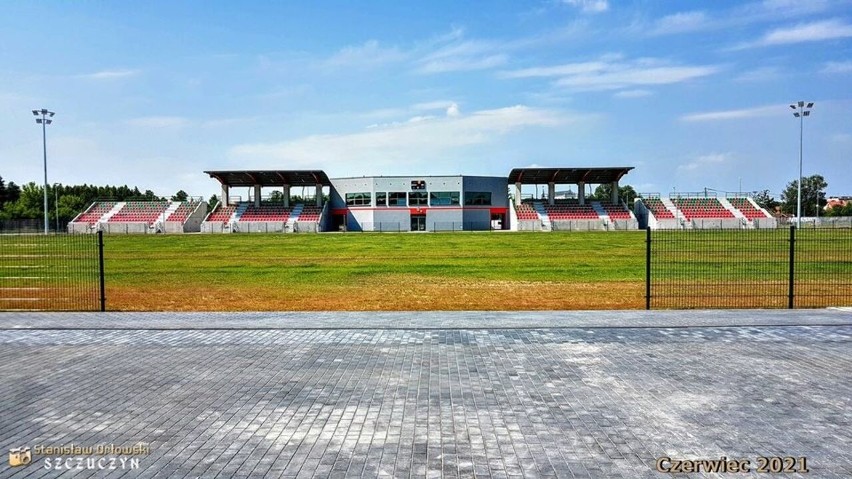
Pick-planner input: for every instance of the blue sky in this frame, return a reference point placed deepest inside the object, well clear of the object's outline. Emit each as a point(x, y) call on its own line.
point(694, 94)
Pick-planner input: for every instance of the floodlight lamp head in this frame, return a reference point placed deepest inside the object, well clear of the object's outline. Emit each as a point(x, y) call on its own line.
point(48, 121)
point(793, 106)
point(51, 113)
point(796, 114)
point(811, 105)
point(35, 112)
point(38, 120)
point(801, 104)
point(806, 113)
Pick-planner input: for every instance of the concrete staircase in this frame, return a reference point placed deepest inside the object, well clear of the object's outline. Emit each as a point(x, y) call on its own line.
point(171, 209)
point(596, 205)
point(672, 208)
point(546, 225)
point(109, 214)
point(733, 209)
point(294, 216)
point(238, 213)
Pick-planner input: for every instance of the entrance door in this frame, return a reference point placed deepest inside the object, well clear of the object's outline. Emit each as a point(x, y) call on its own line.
point(418, 222)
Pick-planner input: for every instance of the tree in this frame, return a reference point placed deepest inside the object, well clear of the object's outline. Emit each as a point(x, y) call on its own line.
point(13, 192)
point(837, 210)
point(2, 191)
point(765, 200)
point(625, 193)
point(180, 196)
point(213, 200)
point(813, 195)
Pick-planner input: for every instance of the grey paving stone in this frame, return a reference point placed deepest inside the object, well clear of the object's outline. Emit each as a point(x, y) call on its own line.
point(481, 396)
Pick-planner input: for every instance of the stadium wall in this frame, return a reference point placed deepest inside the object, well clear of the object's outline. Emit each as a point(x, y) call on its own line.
point(399, 217)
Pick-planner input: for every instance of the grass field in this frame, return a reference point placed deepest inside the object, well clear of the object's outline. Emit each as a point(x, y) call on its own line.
point(435, 271)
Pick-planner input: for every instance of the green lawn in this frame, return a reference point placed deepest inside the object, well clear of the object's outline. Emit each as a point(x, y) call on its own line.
point(453, 271)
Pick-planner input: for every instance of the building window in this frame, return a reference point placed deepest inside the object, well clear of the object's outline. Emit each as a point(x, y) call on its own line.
point(417, 198)
point(444, 198)
point(358, 199)
point(396, 199)
point(381, 199)
point(477, 198)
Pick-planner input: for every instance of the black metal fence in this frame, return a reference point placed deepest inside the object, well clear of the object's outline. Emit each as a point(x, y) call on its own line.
point(774, 268)
point(54, 272)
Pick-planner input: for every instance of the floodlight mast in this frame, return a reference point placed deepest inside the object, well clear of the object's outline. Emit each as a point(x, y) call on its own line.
point(801, 109)
point(44, 121)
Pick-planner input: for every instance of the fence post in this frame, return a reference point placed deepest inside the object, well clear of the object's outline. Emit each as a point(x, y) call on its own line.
point(101, 268)
point(648, 267)
point(790, 293)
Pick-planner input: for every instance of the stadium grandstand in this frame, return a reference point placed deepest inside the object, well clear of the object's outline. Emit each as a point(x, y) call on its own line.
point(273, 212)
point(569, 212)
point(140, 217)
point(423, 203)
point(701, 211)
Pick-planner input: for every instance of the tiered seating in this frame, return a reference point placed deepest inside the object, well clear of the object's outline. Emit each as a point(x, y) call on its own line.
point(702, 208)
point(310, 213)
point(748, 210)
point(140, 211)
point(183, 211)
point(266, 212)
point(222, 214)
point(615, 212)
point(658, 208)
point(570, 210)
point(526, 212)
point(95, 212)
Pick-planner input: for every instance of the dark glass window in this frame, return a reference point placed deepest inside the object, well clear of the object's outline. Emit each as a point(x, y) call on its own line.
point(396, 199)
point(477, 198)
point(381, 199)
point(358, 199)
point(417, 198)
point(444, 198)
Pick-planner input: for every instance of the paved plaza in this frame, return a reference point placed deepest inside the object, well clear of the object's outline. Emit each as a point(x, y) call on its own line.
point(562, 394)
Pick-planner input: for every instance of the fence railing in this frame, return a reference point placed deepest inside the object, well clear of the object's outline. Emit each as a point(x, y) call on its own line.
point(55, 272)
point(770, 268)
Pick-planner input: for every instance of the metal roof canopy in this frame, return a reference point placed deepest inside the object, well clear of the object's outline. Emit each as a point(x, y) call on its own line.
point(271, 177)
point(567, 176)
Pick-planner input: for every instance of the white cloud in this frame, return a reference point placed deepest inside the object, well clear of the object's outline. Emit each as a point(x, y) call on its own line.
point(368, 55)
point(805, 32)
point(761, 74)
point(705, 161)
point(638, 93)
point(626, 75)
point(432, 105)
point(558, 70)
point(421, 139)
point(681, 22)
point(589, 6)
point(110, 74)
point(611, 73)
point(453, 110)
point(159, 122)
point(462, 56)
point(735, 114)
point(837, 67)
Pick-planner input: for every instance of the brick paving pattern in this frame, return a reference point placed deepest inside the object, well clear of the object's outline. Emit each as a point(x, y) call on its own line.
point(562, 402)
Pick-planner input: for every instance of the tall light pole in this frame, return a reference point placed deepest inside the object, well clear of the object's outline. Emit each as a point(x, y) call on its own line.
point(801, 110)
point(44, 121)
point(56, 203)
